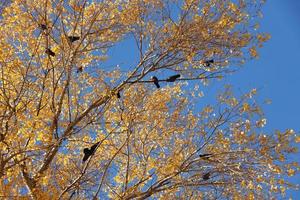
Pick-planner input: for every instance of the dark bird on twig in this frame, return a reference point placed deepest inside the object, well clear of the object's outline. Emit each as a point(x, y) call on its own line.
point(79, 69)
point(88, 152)
point(73, 38)
point(208, 62)
point(206, 176)
point(43, 26)
point(173, 78)
point(50, 52)
point(155, 81)
point(118, 95)
point(205, 155)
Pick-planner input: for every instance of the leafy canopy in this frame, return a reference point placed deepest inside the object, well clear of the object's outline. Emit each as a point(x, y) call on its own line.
point(59, 95)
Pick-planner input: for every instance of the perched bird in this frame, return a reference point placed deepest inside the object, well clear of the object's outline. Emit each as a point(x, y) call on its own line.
point(208, 62)
point(79, 69)
point(206, 176)
point(205, 156)
point(173, 78)
point(118, 95)
point(50, 52)
point(73, 38)
point(155, 80)
point(88, 152)
point(43, 26)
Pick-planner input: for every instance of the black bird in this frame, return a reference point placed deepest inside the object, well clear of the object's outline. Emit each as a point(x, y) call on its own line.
point(208, 62)
point(205, 155)
point(173, 78)
point(50, 52)
point(206, 176)
point(88, 152)
point(79, 69)
point(118, 95)
point(73, 38)
point(155, 80)
point(43, 26)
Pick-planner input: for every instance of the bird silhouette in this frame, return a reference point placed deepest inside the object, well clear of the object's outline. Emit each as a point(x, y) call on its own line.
point(88, 152)
point(155, 80)
point(173, 78)
point(73, 38)
point(208, 62)
point(79, 69)
point(205, 156)
point(43, 26)
point(118, 95)
point(206, 176)
point(50, 52)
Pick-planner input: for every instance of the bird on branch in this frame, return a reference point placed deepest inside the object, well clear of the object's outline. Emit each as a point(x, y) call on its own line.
point(155, 80)
point(50, 52)
point(43, 26)
point(206, 176)
point(118, 95)
point(79, 69)
point(208, 62)
point(88, 152)
point(205, 156)
point(73, 38)
point(173, 78)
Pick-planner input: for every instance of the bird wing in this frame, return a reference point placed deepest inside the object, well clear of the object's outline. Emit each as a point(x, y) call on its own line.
point(85, 157)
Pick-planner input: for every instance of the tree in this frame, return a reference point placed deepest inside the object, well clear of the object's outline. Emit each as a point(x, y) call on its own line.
point(58, 98)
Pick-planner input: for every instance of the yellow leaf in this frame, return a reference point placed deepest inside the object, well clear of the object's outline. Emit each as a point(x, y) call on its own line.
point(291, 172)
point(297, 139)
point(232, 7)
point(253, 52)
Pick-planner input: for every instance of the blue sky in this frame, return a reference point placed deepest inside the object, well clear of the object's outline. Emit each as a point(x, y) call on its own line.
point(276, 72)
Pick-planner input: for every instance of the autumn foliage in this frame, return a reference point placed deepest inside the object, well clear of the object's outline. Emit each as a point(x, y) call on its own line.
point(59, 94)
